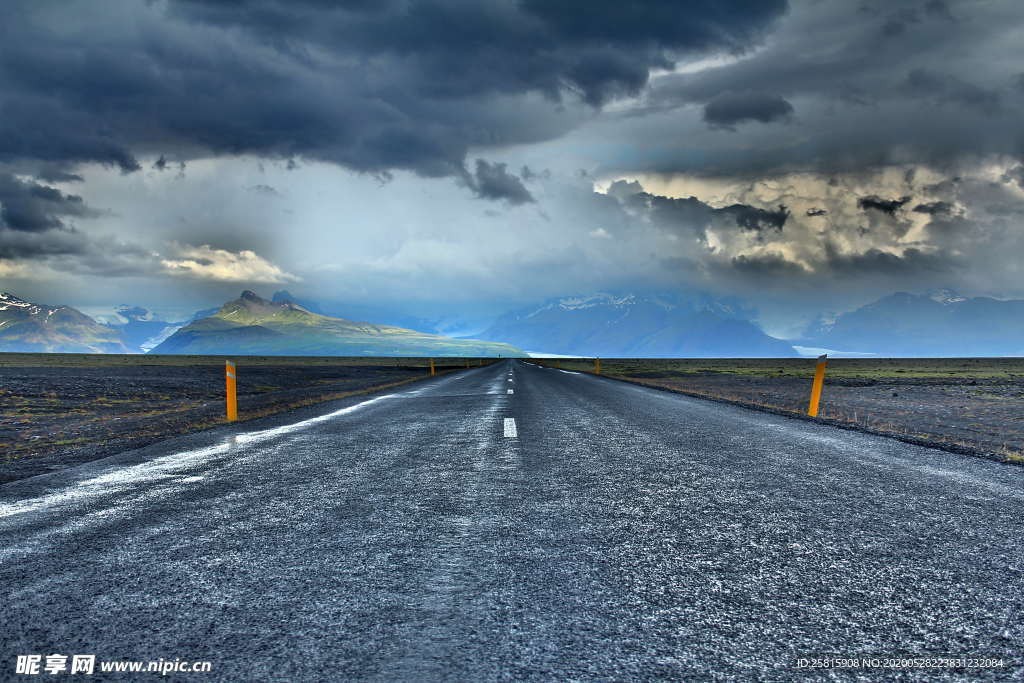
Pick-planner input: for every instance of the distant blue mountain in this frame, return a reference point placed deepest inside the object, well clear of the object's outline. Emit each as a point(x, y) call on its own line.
point(639, 326)
point(139, 328)
point(940, 323)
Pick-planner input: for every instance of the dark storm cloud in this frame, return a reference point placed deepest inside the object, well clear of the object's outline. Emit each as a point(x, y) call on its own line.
point(730, 109)
point(20, 245)
point(373, 86)
point(692, 213)
point(623, 189)
point(674, 213)
point(493, 181)
point(934, 208)
point(897, 22)
point(34, 227)
point(912, 261)
point(940, 9)
point(71, 251)
point(940, 87)
point(528, 174)
point(28, 206)
point(865, 99)
point(53, 174)
point(887, 206)
point(753, 218)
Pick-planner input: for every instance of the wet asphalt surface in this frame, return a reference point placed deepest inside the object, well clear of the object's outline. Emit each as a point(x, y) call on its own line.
point(623, 533)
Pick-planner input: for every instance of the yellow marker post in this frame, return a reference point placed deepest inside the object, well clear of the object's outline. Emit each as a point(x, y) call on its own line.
point(819, 379)
point(232, 396)
point(558, 364)
point(597, 366)
point(432, 371)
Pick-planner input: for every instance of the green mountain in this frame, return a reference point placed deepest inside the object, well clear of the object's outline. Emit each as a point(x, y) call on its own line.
point(29, 327)
point(254, 326)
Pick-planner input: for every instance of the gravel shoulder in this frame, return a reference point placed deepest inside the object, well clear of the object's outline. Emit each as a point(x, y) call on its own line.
point(973, 406)
point(60, 410)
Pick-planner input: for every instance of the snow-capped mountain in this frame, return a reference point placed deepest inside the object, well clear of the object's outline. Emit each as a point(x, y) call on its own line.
point(10, 302)
point(938, 323)
point(30, 327)
point(638, 325)
point(945, 296)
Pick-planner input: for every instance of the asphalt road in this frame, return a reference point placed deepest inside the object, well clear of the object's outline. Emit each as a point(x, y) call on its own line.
point(518, 522)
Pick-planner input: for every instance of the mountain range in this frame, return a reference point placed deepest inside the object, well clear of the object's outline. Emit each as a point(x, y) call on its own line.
point(29, 327)
point(637, 326)
point(255, 326)
point(940, 323)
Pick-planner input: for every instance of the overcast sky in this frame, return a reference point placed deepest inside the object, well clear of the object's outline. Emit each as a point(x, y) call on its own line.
point(465, 157)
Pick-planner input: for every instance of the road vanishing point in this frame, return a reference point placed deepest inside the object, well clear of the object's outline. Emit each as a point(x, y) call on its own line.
point(515, 521)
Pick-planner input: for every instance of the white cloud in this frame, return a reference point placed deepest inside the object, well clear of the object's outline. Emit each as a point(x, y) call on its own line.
point(206, 263)
point(19, 269)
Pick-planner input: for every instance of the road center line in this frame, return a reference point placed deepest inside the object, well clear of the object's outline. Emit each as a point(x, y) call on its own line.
point(511, 391)
point(510, 428)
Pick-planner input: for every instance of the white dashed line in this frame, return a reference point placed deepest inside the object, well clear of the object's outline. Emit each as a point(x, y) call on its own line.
point(510, 428)
point(511, 391)
point(509, 379)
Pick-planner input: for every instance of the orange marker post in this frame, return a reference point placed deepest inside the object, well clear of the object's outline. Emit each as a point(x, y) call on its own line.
point(232, 396)
point(819, 380)
point(432, 371)
point(597, 366)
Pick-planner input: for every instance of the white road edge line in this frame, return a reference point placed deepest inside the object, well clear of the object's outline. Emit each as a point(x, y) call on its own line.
point(510, 428)
point(115, 477)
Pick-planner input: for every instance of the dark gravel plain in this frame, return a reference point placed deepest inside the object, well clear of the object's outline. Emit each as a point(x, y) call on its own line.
point(59, 410)
point(969, 405)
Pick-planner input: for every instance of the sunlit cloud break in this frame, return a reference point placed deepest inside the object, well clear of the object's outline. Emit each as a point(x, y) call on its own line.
point(206, 263)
